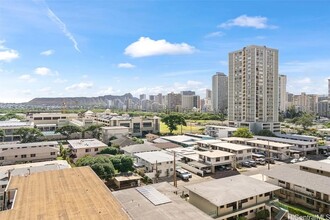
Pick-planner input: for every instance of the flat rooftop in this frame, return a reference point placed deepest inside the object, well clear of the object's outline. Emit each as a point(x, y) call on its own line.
point(181, 138)
point(114, 128)
point(231, 146)
point(209, 141)
point(159, 156)
point(231, 189)
point(236, 139)
point(299, 177)
point(270, 143)
point(138, 148)
point(214, 153)
point(15, 145)
point(86, 143)
point(285, 140)
point(140, 208)
point(75, 193)
point(319, 165)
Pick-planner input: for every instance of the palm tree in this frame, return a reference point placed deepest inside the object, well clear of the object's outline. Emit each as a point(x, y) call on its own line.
point(2, 134)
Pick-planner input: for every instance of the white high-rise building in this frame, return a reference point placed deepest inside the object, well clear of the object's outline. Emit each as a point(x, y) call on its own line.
point(220, 92)
point(328, 88)
point(282, 93)
point(253, 88)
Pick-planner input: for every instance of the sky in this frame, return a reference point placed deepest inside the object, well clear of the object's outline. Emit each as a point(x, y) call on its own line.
point(66, 48)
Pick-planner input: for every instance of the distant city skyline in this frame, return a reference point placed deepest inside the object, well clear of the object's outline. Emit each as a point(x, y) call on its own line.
point(72, 48)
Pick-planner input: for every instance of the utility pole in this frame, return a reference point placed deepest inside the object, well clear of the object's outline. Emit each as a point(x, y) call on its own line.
point(268, 156)
point(174, 175)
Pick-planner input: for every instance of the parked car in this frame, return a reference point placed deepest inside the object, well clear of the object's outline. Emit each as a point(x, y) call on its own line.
point(260, 161)
point(182, 174)
point(294, 160)
point(246, 164)
point(252, 163)
point(302, 159)
point(270, 160)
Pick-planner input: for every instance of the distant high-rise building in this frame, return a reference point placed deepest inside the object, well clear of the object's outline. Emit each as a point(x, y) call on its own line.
point(187, 100)
point(174, 101)
point(208, 94)
point(328, 88)
point(306, 102)
point(152, 97)
point(159, 98)
point(143, 96)
point(220, 92)
point(282, 93)
point(253, 88)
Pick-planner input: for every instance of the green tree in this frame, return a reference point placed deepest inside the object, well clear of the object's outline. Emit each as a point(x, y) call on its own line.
point(263, 214)
point(172, 121)
point(2, 135)
point(306, 120)
point(95, 130)
point(28, 135)
point(109, 150)
point(67, 130)
point(266, 133)
point(101, 165)
point(122, 163)
point(10, 116)
point(243, 133)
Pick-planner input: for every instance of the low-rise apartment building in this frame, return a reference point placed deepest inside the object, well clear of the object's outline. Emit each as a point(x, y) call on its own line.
point(316, 167)
point(28, 152)
point(231, 197)
point(216, 159)
point(157, 163)
point(300, 187)
point(84, 147)
point(50, 118)
point(304, 147)
point(131, 150)
point(217, 131)
point(10, 128)
point(183, 140)
point(272, 149)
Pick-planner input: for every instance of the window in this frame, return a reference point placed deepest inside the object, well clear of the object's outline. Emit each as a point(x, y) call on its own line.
point(298, 196)
point(267, 194)
point(244, 200)
point(96, 149)
point(2, 158)
point(217, 159)
point(310, 201)
point(226, 157)
point(260, 195)
point(3, 186)
point(208, 159)
point(33, 155)
point(240, 152)
point(23, 156)
point(52, 153)
point(87, 150)
point(309, 190)
point(251, 198)
point(222, 206)
point(280, 181)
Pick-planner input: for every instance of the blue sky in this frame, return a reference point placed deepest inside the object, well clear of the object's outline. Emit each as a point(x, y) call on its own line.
point(91, 48)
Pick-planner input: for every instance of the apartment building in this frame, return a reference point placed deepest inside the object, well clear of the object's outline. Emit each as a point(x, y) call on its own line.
point(131, 150)
point(138, 126)
point(316, 167)
point(273, 149)
point(10, 128)
point(242, 152)
point(50, 118)
point(232, 197)
point(183, 140)
point(28, 152)
point(6, 172)
point(82, 147)
point(253, 88)
point(302, 147)
point(173, 102)
point(301, 187)
point(220, 92)
point(282, 93)
point(76, 193)
point(157, 163)
point(323, 108)
point(306, 102)
point(215, 159)
point(219, 131)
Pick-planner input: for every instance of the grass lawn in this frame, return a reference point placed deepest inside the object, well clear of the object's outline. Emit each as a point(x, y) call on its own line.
point(185, 129)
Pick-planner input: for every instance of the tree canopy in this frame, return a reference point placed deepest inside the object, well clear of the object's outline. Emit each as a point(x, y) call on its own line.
point(172, 121)
point(306, 120)
point(243, 133)
point(101, 165)
point(95, 130)
point(67, 130)
point(9, 116)
point(2, 134)
point(28, 135)
point(122, 163)
point(266, 133)
point(109, 150)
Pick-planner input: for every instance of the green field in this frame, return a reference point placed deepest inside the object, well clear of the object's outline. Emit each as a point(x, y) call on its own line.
point(190, 128)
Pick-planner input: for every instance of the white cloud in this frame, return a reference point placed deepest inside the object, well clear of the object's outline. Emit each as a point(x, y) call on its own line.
point(42, 71)
point(257, 22)
point(148, 47)
point(193, 83)
point(109, 91)
point(47, 52)
point(63, 28)
point(80, 86)
point(305, 80)
point(59, 80)
point(215, 34)
point(27, 78)
point(46, 90)
point(125, 65)
point(7, 54)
